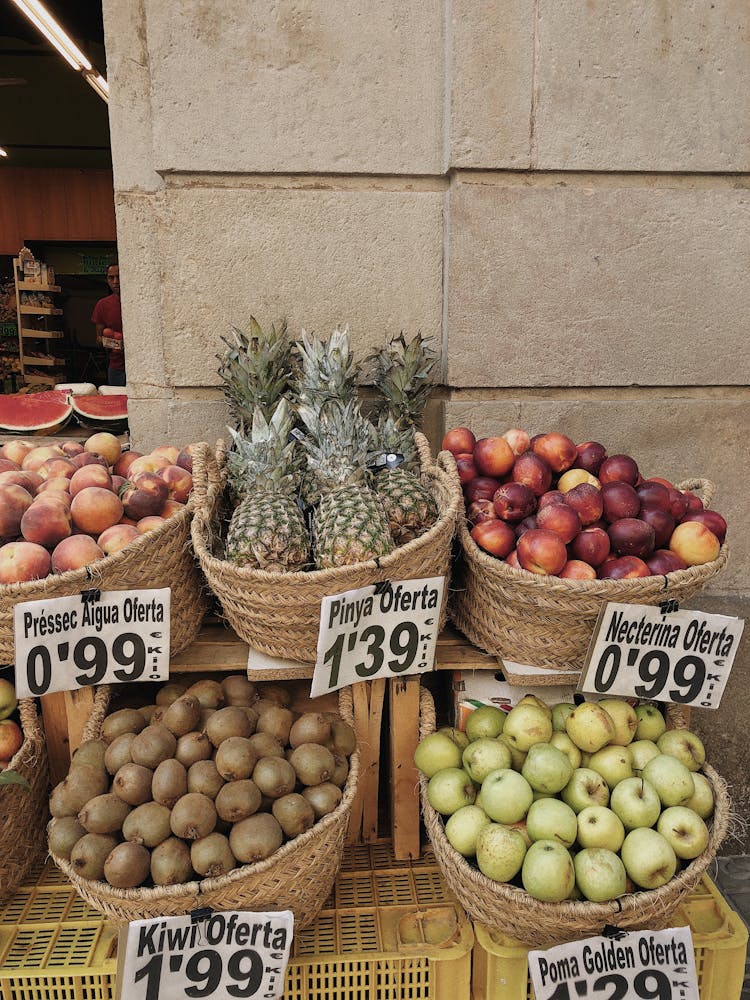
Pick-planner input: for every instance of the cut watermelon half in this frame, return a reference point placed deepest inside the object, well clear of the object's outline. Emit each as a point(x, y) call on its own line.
point(104, 412)
point(35, 413)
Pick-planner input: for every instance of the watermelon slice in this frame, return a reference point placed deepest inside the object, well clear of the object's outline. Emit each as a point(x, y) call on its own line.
point(35, 413)
point(103, 412)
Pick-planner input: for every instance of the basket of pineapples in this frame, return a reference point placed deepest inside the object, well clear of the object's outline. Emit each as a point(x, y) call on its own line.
point(312, 497)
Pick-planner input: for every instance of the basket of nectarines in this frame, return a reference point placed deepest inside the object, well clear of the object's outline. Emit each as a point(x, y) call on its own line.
point(554, 530)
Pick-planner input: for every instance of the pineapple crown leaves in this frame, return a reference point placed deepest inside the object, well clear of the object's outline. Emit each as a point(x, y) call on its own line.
point(268, 459)
point(401, 372)
point(337, 440)
point(327, 368)
point(397, 436)
point(255, 369)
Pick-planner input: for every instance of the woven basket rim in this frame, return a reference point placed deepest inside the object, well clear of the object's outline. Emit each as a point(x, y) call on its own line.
point(151, 894)
point(33, 737)
point(505, 895)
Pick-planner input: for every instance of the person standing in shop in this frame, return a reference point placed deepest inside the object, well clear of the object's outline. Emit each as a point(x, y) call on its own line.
point(107, 316)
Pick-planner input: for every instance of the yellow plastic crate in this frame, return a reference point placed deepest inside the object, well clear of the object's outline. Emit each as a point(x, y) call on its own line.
point(501, 971)
point(390, 929)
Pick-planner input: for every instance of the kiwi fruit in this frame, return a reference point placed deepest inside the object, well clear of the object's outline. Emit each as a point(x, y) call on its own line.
point(155, 744)
point(158, 713)
point(276, 693)
point(103, 814)
point(63, 834)
point(193, 817)
point(262, 705)
point(88, 856)
point(237, 800)
point(82, 783)
point(311, 727)
point(235, 758)
point(323, 798)
point(118, 752)
point(340, 771)
point(313, 764)
point(238, 690)
point(183, 715)
point(90, 752)
point(169, 693)
point(255, 838)
point(274, 776)
point(343, 739)
point(127, 720)
point(266, 745)
point(147, 825)
point(206, 714)
point(147, 711)
point(169, 783)
point(252, 716)
point(208, 693)
point(132, 784)
point(128, 865)
point(204, 777)
point(212, 856)
point(276, 721)
point(226, 722)
point(294, 814)
point(192, 747)
point(170, 863)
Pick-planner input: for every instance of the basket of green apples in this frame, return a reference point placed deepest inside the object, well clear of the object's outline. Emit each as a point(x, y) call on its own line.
point(549, 823)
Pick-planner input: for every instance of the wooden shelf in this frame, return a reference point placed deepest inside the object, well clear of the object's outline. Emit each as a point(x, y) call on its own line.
point(39, 311)
point(37, 380)
point(29, 286)
point(44, 362)
point(43, 334)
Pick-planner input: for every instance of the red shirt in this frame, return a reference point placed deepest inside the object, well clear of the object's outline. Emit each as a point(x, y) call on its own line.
point(109, 312)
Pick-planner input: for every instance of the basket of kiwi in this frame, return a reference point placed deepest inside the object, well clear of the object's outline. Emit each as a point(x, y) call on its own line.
point(218, 795)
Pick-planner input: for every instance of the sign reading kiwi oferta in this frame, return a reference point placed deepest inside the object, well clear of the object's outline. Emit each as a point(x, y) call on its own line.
point(97, 637)
point(205, 954)
point(388, 629)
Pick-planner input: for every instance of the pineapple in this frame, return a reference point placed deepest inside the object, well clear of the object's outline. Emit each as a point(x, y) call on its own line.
point(402, 371)
point(255, 370)
point(349, 523)
point(267, 530)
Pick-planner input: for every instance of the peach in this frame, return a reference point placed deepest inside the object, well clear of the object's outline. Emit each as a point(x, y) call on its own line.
point(94, 509)
point(694, 543)
point(458, 440)
point(171, 507)
point(75, 553)
point(179, 482)
point(38, 456)
point(561, 519)
point(591, 546)
point(618, 469)
point(619, 500)
point(22, 561)
point(467, 469)
point(127, 520)
point(168, 451)
point(632, 537)
point(105, 444)
point(518, 439)
point(11, 739)
point(16, 451)
point(117, 537)
point(153, 521)
point(147, 463)
point(661, 522)
point(495, 537)
point(557, 450)
point(185, 459)
point(590, 456)
point(117, 484)
point(493, 456)
point(663, 482)
point(61, 485)
point(89, 458)
point(56, 468)
point(89, 476)
point(481, 488)
point(7, 466)
point(663, 561)
point(678, 504)
point(576, 477)
point(46, 522)
point(514, 502)
point(542, 551)
point(694, 502)
point(14, 502)
point(532, 471)
point(28, 480)
point(586, 501)
point(575, 569)
point(652, 494)
point(123, 463)
point(551, 496)
point(712, 520)
point(481, 510)
point(512, 559)
point(623, 568)
point(72, 448)
point(526, 525)
point(146, 494)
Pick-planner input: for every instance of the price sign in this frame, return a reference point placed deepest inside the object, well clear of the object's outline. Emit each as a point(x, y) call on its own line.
point(384, 630)
point(647, 652)
point(98, 637)
point(650, 965)
point(205, 955)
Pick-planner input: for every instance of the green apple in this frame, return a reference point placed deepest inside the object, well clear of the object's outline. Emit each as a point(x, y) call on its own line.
point(546, 768)
point(599, 826)
point(517, 757)
point(560, 712)
point(458, 736)
point(641, 752)
point(685, 746)
point(436, 752)
point(487, 720)
point(649, 858)
point(702, 800)
point(8, 699)
point(500, 852)
point(585, 788)
point(548, 873)
point(624, 717)
point(449, 789)
point(600, 874)
point(673, 782)
point(613, 762)
point(563, 742)
point(651, 723)
point(636, 802)
point(590, 726)
point(685, 831)
point(526, 725)
point(463, 828)
point(531, 699)
point(506, 796)
point(485, 755)
point(552, 819)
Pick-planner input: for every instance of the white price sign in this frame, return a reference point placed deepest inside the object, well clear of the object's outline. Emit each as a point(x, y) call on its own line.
point(206, 955)
point(679, 656)
point(385, 630)
point(650, 965)
point(98, 637)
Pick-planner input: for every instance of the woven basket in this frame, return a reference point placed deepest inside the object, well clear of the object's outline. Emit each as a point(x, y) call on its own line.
point(279, 613)
point(159, 558)
point(544, 621)
point(298, 877)
point(24, 811)
point(513, 912)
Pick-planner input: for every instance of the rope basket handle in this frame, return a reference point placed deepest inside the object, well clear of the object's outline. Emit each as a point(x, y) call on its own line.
point(424, 451)
point(92, 729)
point(704, 489)
point(205, 472)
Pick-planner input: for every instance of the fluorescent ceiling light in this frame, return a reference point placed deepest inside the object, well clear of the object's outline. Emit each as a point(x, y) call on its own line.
point(99, 84)
point(3, 152)
point(38, 14)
